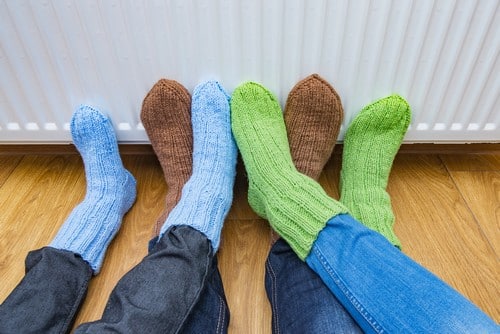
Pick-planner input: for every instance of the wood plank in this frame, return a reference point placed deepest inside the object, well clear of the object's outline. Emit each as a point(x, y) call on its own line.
point(8, 163)
point(481, 192)
point(240, 209)
point(438, 230)
point(242, 255)
point(329, 178)
point(472, 162)
point(35, 200)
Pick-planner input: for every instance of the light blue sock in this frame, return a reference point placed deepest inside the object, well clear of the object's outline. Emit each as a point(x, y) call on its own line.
point(111, 190)
point(208, 194)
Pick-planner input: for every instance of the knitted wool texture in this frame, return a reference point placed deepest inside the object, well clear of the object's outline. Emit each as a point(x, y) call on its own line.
point(166, 116)
point(370, 145)
point(313, 115)
point(208, 194)
point(295, 205)
point(111, 190)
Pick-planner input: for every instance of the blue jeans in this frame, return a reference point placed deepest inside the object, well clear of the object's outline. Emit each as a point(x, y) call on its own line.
point(386, 291)
point(300, 301)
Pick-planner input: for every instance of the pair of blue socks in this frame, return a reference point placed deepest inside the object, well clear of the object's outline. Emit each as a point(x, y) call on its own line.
point(111, 189)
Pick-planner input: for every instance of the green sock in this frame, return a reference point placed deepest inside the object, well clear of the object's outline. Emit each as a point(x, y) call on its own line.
point(296, 206)
point(370, 145)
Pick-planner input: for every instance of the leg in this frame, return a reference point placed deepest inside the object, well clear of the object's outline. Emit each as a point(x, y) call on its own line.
point(211, 313)
point(386, 291)
point(208, 194)
point(111, 190)
point(158, 295)
point(300, 301)
point(166, 117)
point(313, 115)
point(370, 145)
point(296, 207)
point(161, 292)
point(56, 279)
point(50, 294)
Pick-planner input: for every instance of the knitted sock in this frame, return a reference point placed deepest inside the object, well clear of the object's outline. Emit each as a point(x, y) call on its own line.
point(313, 115)
point(370, 145)
point(166, 116)
point(110, 190)
point(208, 194)
point(295, 205)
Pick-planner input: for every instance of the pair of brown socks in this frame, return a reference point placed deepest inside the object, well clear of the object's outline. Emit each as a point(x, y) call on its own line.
point(313, 115)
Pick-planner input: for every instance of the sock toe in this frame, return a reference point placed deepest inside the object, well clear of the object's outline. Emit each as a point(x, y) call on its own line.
point(313, 115)
point(92, 131)
point(85, 119)
point(321, 87)
point(164, 96)
point(255, 97)
point(388, 112)
point(213, 88)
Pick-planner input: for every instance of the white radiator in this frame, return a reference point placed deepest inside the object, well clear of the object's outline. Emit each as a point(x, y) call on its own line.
point(442, 56)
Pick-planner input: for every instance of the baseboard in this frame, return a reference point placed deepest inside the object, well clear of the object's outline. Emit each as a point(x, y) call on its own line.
point(146, 149)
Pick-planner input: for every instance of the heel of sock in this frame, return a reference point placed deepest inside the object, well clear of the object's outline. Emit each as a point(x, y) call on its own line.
point(130, 191)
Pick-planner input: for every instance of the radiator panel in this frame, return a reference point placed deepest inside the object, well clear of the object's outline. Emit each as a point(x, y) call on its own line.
point(442, 56)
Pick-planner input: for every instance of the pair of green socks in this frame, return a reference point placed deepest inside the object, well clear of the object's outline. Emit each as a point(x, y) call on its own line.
point(296, 206)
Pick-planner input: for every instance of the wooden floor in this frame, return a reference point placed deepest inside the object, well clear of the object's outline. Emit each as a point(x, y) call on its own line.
point(447, 209)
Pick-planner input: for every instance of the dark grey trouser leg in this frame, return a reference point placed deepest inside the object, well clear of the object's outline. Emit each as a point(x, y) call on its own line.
point(159, 294)
point(48, 297)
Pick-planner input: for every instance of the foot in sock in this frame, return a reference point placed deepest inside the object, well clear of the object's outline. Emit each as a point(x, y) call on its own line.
point(313, 115)
point(370, 145)
point(295, 205)
point(166, 116)
point(207, 195)
point(111, 190)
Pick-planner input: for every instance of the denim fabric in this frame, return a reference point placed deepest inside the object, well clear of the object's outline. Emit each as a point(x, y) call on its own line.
point(175, 288)
point(386, 291)
point(50, 294)
point(211, 313)
point(158, 295)
point(300, 301)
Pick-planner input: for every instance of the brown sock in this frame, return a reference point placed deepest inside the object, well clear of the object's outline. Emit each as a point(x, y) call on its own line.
point(166, 116)
point(313, 115)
